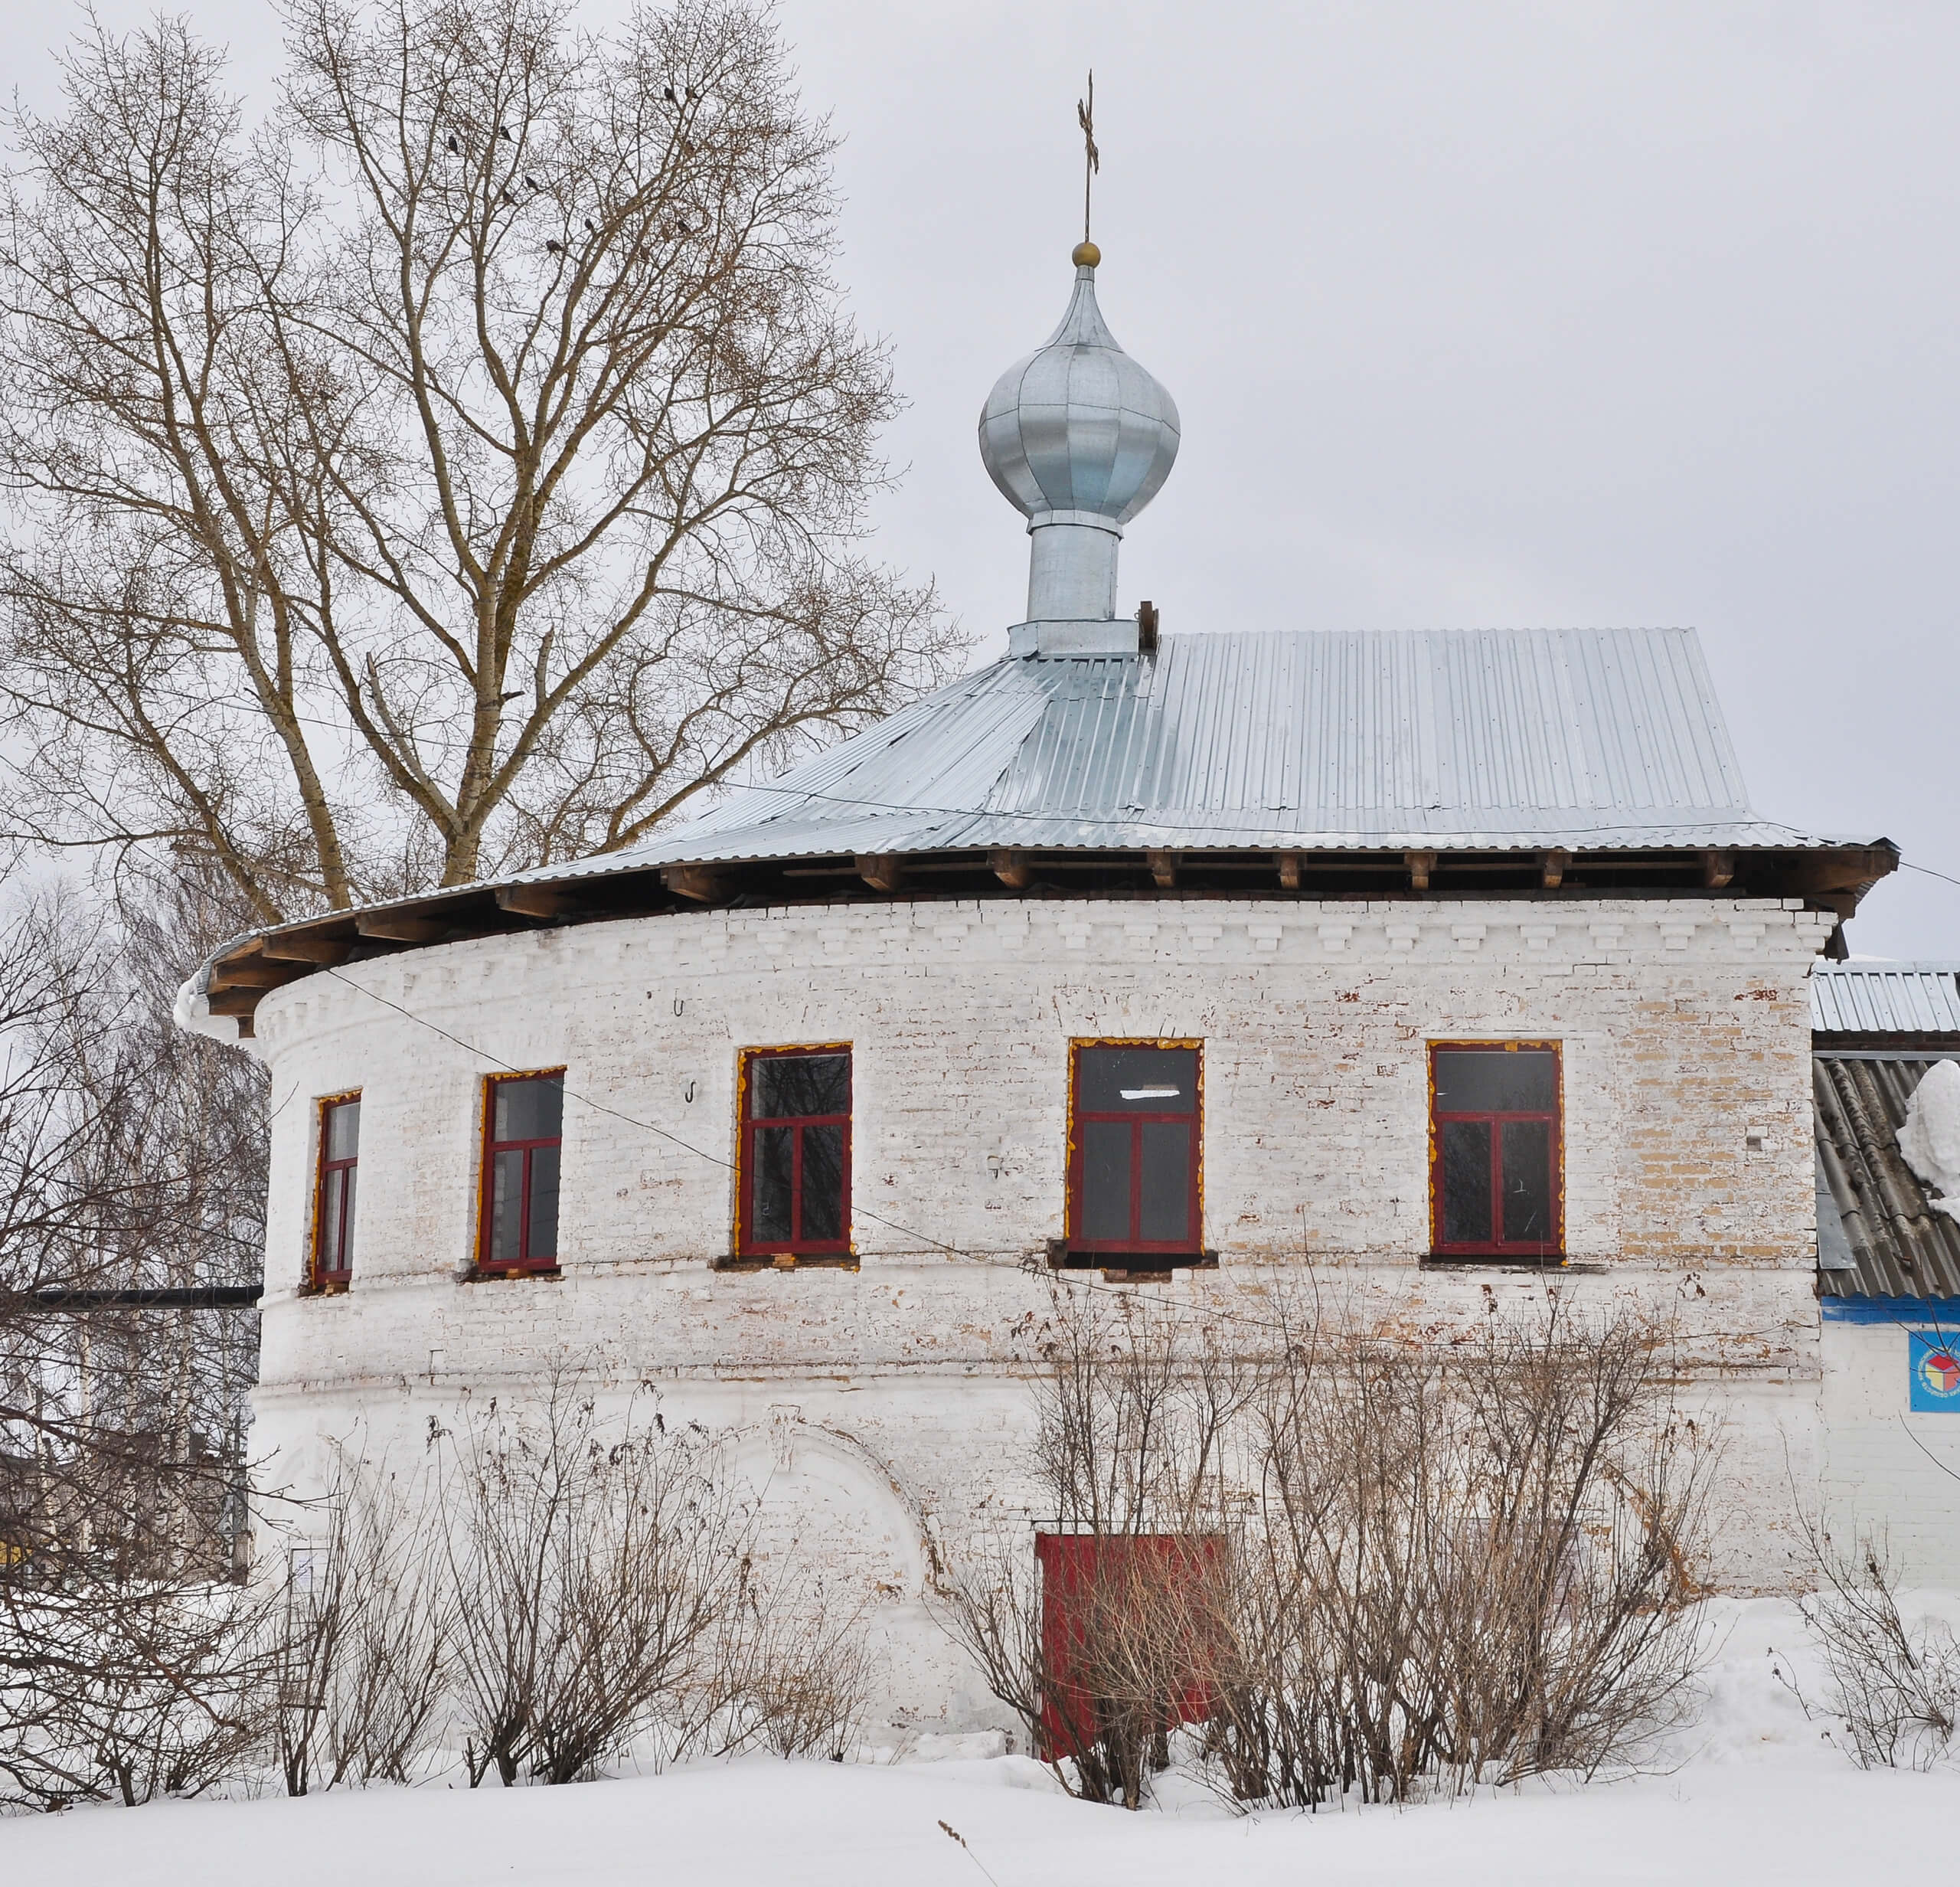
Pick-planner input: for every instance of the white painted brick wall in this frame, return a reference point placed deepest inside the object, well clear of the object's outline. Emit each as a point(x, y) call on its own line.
point(1888, 1469)
point(1684, 1023)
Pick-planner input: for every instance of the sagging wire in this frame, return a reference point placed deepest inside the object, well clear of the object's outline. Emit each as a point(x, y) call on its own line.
point(1076, 1281)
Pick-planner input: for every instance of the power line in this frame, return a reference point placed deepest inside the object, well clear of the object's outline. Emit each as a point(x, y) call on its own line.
point(1074, 1279)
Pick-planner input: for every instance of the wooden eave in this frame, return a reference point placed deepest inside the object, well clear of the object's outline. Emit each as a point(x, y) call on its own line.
point(1833, 879)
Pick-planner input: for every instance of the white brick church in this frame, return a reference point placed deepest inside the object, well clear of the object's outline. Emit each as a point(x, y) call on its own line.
point(1191, 960)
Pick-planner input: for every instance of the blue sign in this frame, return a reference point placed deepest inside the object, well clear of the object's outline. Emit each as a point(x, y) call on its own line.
point(1934, 1359)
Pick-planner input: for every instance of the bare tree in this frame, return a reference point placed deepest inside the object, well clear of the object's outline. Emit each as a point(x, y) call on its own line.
point(465, 470)
point(130, 1160)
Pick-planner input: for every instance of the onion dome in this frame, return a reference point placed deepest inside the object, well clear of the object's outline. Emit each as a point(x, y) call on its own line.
point(1080, 438)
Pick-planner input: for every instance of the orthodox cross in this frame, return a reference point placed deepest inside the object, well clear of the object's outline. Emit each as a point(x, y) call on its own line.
point(1092, 159)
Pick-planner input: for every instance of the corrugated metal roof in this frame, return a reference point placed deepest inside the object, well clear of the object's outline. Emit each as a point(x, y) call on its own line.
point(1461, 739)
point(1899, 1246)
point(1917, 999)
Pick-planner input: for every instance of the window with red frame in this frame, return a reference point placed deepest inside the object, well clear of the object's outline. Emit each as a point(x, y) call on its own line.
point(1133, 1151)
point(1495, 1151)
point(333, 1205)
point(795, 1185)
point(524, 1128)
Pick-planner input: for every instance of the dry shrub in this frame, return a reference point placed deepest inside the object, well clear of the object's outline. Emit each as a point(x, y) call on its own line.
point(592, 1560)
point(1894, 1686)
point(791, 1671)
point(1359, 1564)
point(1464, 1566)
point(1139, 1414)
point(364, 1627)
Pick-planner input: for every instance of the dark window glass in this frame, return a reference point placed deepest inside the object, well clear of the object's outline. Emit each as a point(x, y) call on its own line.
point(530, 1109)
point(1527, 1181)
point(1135, 1140)
point(1166, 1204)
point(340, 1153)
point(1496, 1150)
point(823, 1182)
point(541, 1215)
point(1483, 1081)
point(526, 1143)
point(337, 1204)
point(1466, 1182)
point(797, 1122)
point(1105, 1180)
point(787, 1086)
point(506, 1204)
point(1136, 1080)
point(776, 1180)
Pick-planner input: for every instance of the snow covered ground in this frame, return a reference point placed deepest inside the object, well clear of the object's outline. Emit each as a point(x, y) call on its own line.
point(1757, 1794)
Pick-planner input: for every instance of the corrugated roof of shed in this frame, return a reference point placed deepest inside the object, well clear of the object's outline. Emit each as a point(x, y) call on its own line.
point(1464, 739)
point(1899, 1246)
point(1903, 999)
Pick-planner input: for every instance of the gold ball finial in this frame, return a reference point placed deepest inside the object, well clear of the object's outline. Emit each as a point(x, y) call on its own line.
point(1086, 255)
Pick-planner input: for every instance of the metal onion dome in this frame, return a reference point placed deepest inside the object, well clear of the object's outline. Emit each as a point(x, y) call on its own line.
point(1080, 438)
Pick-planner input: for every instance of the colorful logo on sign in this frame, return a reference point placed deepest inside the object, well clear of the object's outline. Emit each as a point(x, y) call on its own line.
point(1934, 1359)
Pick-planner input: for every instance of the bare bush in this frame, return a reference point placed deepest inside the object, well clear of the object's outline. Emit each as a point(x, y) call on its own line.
point(1893, 1685)
point(364, 1627)
point(592, 1561)
point(790, 1671)
point(1103, 1651)
point(1358, 1563)
point(1464, 1568)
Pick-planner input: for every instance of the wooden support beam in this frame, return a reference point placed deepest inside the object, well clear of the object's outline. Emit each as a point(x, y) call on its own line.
point(1420, 864)
point(393, 927)
point(1718, 868)
point(1163, 869)
point(253, 973)
point(234, 1001)
point(1011, 868)
point(883, 872)
point(1289, 869)
point(534, 900)
point(1553, 866)
point(306, 950)
point(703, 883)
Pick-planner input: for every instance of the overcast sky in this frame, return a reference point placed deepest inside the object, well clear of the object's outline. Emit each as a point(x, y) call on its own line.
point(1477, 315)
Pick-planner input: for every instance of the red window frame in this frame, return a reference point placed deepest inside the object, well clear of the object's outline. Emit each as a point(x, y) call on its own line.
point(1191, 1245)
point(492, 1146)
point(319, 1277)
point(747, 1243)
point(1538, 1250)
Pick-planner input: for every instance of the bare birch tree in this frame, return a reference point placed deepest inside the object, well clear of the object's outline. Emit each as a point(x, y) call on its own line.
point(464, 468)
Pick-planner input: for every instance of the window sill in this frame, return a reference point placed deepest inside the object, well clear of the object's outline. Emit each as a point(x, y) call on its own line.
point(503, 1273)
point(1122, 1266)
point(327, 1287)
point(788, 1261)
point(1494, 1261)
